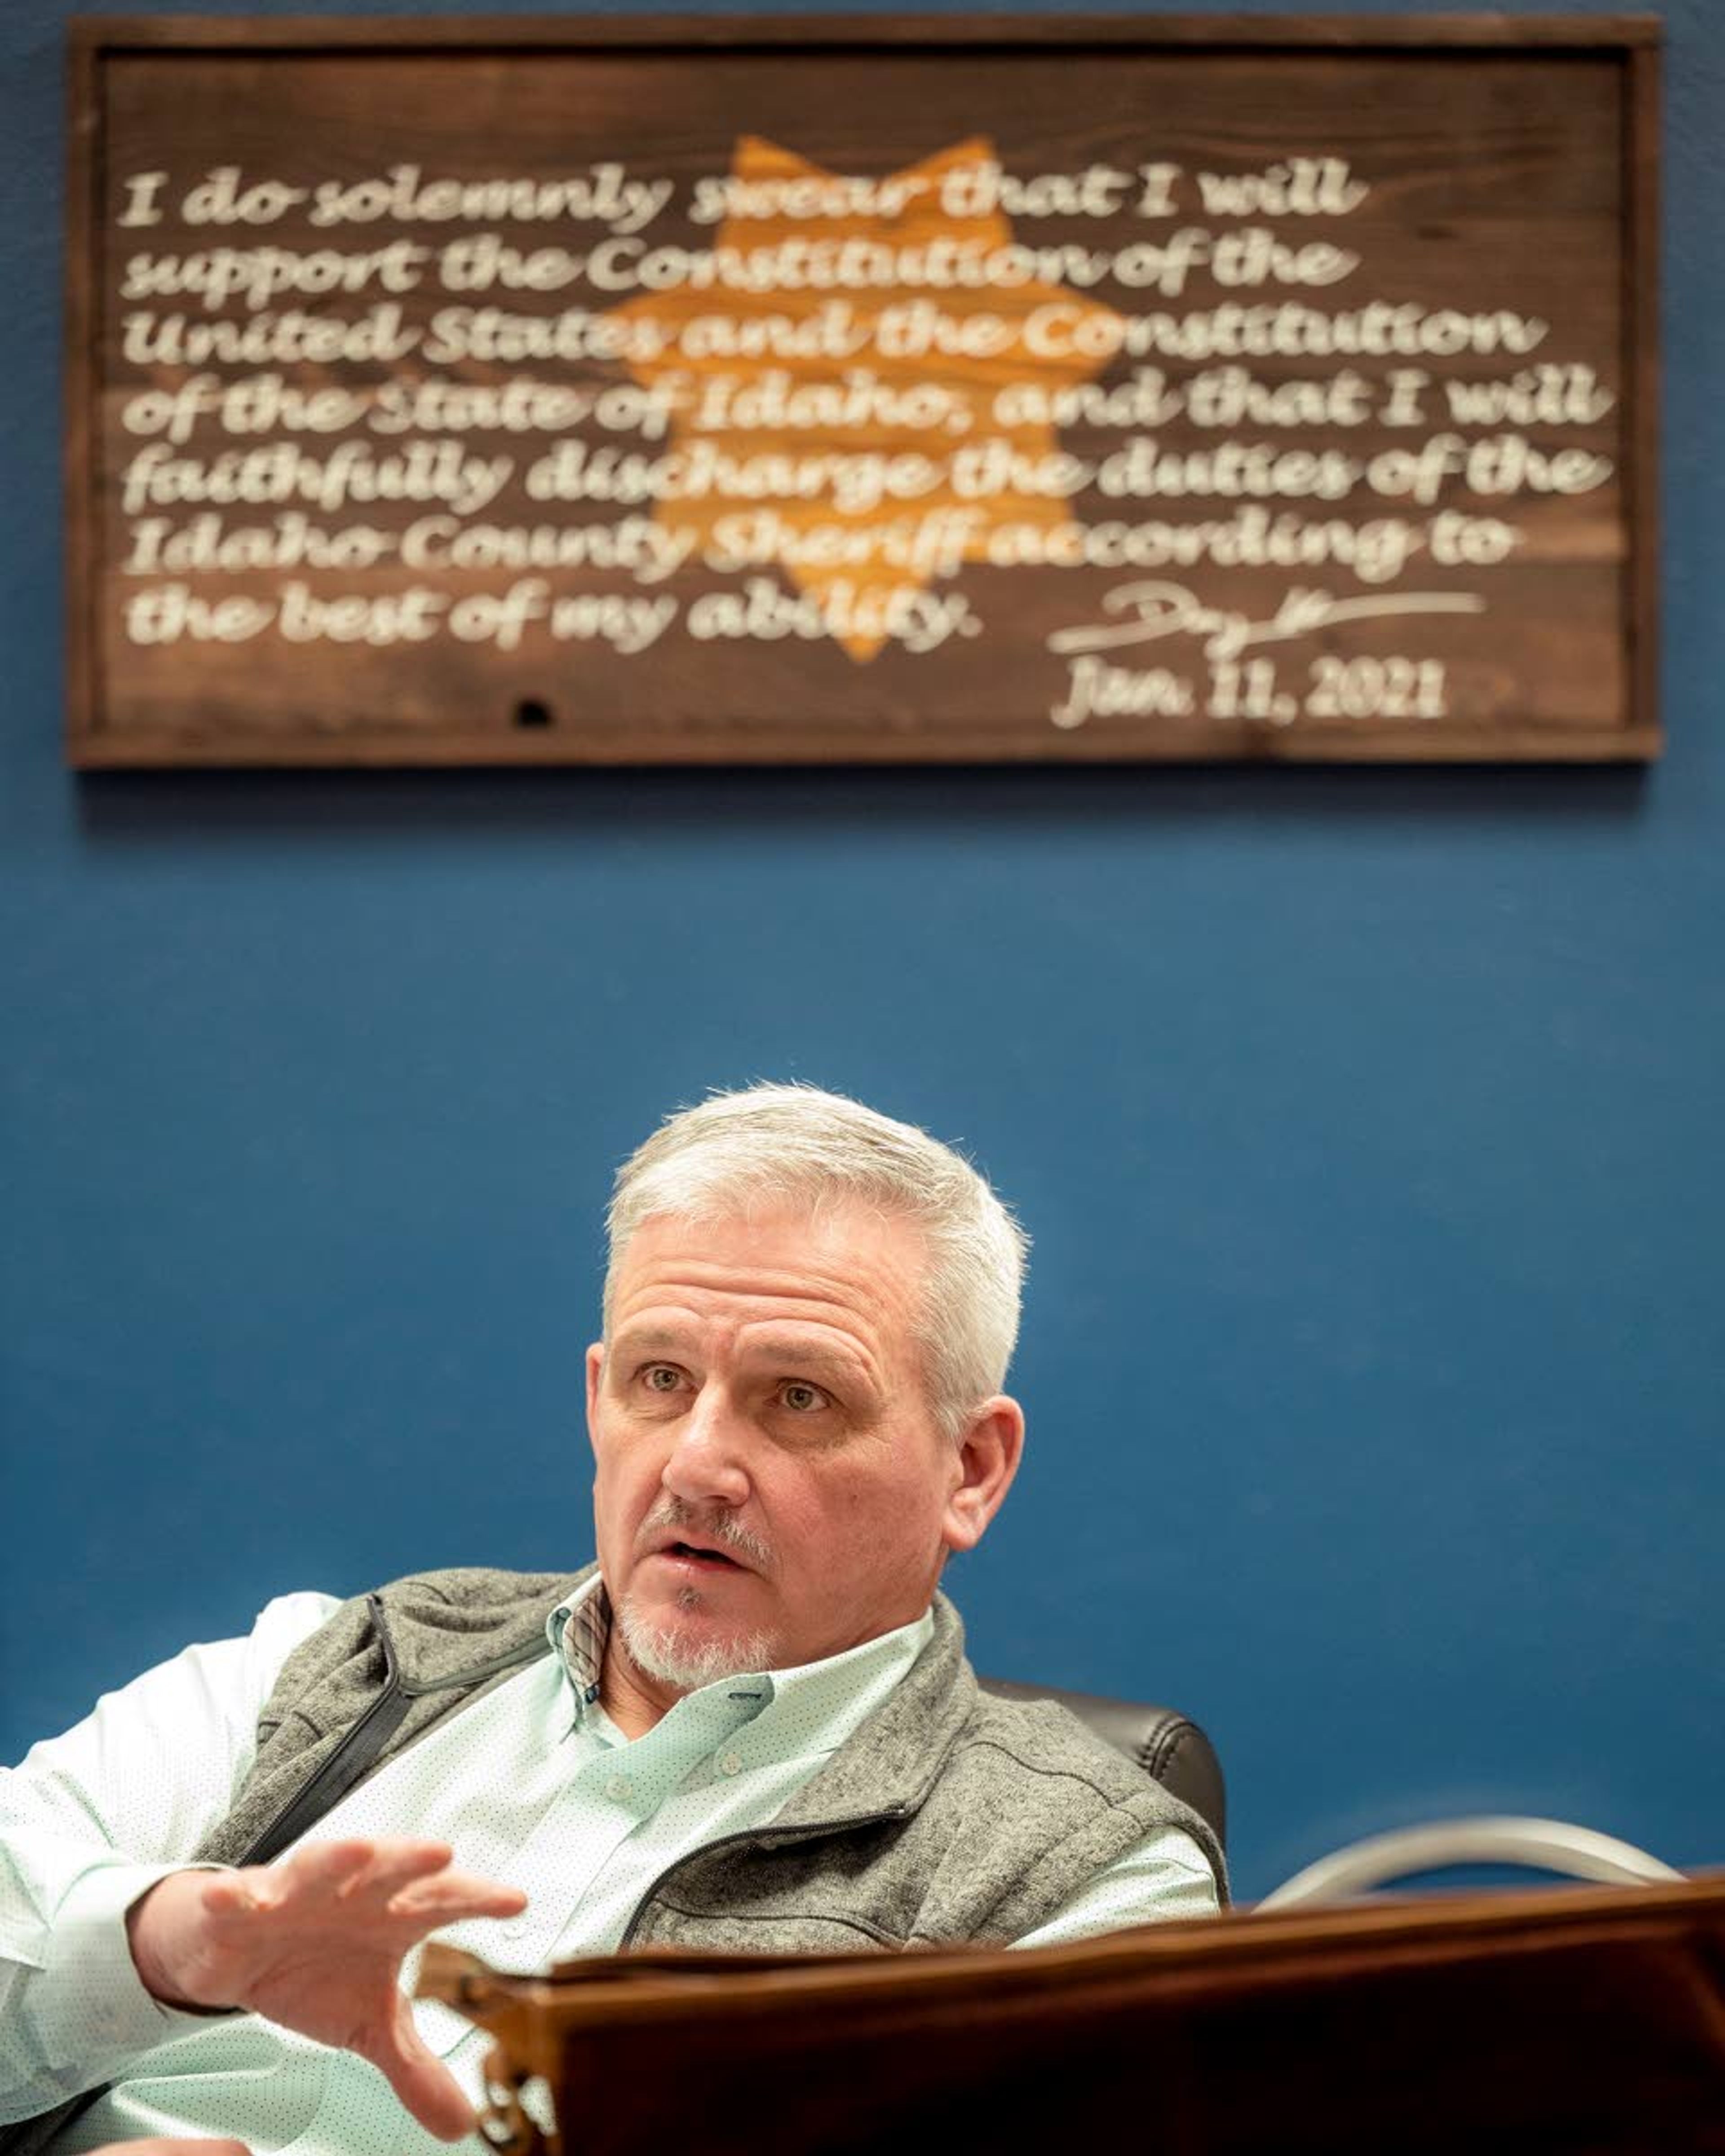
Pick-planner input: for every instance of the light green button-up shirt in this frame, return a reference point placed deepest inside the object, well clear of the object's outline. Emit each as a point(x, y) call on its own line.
point(532, 1782)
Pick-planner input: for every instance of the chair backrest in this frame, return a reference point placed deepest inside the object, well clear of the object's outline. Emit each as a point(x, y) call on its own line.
point(1170, 1747)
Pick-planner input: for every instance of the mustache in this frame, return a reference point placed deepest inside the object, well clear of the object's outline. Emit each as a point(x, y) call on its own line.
point(717, 1530)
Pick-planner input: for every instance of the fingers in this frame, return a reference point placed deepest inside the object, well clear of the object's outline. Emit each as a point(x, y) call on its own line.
point(348, 1868)
point(452, 1896)
point(334, 1864)
point(395, 1864)
point(426, 2088)
point(331, 1871)
point(322, 1867)
point(409, 1880)
point(315, 1943)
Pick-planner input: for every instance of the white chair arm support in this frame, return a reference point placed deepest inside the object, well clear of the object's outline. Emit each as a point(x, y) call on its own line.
point(1546, 1844)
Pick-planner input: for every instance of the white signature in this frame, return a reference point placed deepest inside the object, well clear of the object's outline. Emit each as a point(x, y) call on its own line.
point(1152, 609)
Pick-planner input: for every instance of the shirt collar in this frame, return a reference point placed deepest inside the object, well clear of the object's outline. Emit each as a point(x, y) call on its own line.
point(578, 1630)
point(809, 1709)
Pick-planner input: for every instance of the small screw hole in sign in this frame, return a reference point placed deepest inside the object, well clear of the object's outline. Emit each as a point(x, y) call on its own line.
point(531, 712)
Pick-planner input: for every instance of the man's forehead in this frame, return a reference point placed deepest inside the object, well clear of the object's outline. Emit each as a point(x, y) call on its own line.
point(855, 1267)
point(837, 1233)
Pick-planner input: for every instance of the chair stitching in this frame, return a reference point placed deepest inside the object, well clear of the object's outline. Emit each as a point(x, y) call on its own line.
point(1161, 1749)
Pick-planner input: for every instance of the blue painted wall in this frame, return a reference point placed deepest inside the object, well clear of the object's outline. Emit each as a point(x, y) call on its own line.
point(1369, 1124)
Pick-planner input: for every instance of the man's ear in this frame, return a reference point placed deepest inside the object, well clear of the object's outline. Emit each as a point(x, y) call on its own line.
point(595, 1373)
point(989, 1452)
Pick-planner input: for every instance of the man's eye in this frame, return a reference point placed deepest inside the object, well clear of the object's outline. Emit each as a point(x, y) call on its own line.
point(801, 1399)
point(661, 1378)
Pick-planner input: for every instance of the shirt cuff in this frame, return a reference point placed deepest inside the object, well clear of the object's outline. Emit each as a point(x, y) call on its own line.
point(88, 2002)
point(1168, 1875)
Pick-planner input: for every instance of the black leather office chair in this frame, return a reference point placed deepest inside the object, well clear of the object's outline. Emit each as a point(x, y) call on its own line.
point(1171, 1748)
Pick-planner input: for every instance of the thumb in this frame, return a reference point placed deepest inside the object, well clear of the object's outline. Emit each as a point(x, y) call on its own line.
point(430, 2091)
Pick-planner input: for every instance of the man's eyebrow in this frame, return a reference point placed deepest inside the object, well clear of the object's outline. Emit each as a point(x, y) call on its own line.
point(783, 1351)
point(790, 1353)
point(648, 1340)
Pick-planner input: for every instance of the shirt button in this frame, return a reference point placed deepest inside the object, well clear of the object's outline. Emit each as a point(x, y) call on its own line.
point(618, 1787)
point(729, 1763)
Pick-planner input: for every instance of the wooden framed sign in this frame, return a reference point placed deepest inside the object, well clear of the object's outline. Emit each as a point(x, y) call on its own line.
point(634, 391)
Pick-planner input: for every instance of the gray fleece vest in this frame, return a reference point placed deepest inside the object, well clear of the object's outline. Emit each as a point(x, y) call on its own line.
point(947, 1816)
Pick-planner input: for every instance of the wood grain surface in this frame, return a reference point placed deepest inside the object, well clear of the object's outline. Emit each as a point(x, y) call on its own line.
point(1281, 551)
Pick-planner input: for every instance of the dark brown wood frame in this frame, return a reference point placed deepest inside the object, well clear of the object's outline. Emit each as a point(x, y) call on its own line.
point(1634, 39)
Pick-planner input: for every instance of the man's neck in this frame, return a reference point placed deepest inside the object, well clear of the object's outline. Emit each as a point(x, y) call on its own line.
point(635, 1701)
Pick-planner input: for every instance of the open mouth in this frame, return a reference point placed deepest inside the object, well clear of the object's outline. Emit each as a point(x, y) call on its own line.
point(696, 1553)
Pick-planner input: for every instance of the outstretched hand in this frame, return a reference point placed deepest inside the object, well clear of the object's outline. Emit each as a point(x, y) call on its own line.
point(316, 1943)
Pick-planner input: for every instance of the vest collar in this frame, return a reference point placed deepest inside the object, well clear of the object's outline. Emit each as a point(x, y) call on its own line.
point(460, 1628)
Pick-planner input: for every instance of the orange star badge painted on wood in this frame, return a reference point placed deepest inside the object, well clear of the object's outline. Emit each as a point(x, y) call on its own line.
point(862, 429)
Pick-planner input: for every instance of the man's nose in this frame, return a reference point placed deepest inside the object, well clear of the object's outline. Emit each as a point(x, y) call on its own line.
point(708, 1462)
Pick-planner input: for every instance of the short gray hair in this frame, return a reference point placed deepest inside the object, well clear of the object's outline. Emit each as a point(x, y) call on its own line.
point(790, 1145)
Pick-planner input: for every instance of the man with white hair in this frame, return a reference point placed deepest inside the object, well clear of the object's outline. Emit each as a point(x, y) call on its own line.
point(749, 1725)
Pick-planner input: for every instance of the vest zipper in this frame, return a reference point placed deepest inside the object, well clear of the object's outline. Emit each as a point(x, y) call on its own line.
point(349, 1759)
point(358, 1751)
